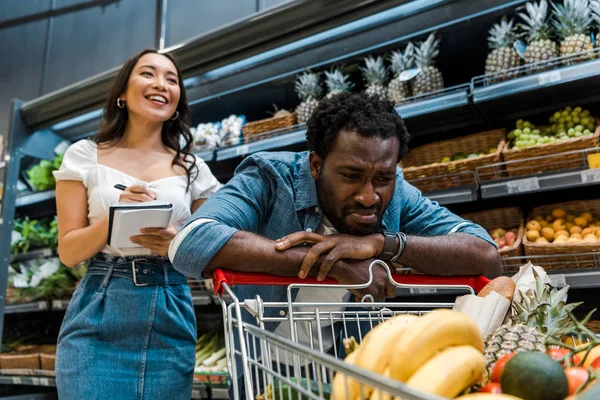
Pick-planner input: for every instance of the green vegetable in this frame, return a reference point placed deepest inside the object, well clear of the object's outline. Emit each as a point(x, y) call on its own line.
point(34, 234)
point(40, 175)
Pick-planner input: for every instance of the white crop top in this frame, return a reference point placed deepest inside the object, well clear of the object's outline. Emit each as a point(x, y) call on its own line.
point(80, 163)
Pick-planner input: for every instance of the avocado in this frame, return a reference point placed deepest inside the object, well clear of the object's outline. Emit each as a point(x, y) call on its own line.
point(534, 376)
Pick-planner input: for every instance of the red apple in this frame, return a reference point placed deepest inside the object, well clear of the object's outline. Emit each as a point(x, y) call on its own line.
point(510, 238)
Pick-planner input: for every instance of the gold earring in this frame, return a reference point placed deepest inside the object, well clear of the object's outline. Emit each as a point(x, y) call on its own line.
point(120, 103)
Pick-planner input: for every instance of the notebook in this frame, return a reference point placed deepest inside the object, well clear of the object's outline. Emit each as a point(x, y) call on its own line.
point(126, 220)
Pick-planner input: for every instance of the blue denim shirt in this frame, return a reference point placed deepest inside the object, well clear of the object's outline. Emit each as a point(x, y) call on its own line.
point(274, 194)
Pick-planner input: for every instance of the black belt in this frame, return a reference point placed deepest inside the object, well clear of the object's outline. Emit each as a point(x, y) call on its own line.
point(143, 271)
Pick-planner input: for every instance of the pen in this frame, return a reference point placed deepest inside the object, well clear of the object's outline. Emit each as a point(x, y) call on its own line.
point(120, 187)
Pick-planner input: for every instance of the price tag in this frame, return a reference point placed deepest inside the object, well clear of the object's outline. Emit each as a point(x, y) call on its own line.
point(17, 380)
point(42, 305)
point(44, 382)
point(423, 291)
point(523, 185)
point(590, 176)
point(558, 280)
point(549, 77)
point(242, 150)
point(196, 394)
point(594, 160)
point(35, 381)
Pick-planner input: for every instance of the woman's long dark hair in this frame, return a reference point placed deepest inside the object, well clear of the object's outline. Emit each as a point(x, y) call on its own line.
point(115, 119)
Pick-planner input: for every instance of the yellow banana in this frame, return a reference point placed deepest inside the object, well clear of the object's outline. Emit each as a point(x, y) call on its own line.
point(449, 372)
point(374, 351)
point(378, 394)
point(487, 396)
point(427, 336)
point(342, 388)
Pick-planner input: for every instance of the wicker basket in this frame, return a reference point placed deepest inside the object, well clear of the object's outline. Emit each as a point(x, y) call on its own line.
point(422, 166)
point(20, 361)
point(530, 165)
point(505, 218)
point(269, 124)
point(576, 207)
point(47, 361)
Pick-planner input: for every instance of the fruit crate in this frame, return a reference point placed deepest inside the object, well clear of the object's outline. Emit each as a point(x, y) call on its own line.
point(526, 161)
point(421, 166)
point(47, 361)
point(16, 361)
point(268, 124)
point(508, 218)
point(552, 253)
point(214, 379)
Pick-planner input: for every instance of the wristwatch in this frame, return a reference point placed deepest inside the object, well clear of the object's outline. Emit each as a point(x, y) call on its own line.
point(389, 244)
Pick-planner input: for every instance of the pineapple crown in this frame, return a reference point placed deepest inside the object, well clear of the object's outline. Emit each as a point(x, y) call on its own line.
point(375, 71)
point(402, 61)
point(544, 308)
point(502, 34)
point(595, 7)
point(536, 21)
point(336, 81)
point(427, 51)
point(572, 18)
point(308, 86)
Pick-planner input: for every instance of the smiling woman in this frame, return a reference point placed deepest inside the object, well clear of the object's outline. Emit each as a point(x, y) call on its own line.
point(130, 323)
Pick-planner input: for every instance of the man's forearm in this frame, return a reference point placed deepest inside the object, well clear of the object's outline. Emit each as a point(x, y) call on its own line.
point(455, 254)
point(247, 252)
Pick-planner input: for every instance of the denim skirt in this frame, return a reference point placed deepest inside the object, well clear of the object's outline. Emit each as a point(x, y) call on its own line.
point(129, 333)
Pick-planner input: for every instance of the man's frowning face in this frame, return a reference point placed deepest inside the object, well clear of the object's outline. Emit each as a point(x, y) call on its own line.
point(356, 182)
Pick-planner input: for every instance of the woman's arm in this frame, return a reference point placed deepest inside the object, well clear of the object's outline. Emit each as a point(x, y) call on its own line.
point(77, 240)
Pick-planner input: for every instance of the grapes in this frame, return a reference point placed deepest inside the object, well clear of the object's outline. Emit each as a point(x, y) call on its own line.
point(527, 130)
point(579, 128)
point(577, 110)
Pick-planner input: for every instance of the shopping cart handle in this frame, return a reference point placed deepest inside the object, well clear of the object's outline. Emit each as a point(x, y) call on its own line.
point(246, 278)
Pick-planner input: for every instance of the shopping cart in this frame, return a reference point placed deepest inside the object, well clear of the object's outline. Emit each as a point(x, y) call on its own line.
point(276, 367)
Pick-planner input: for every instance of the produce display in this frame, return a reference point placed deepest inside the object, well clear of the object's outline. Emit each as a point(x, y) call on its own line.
point(503, 238)
point(227, 132)
point(538, 34)
point(40, 175)
point(337, 82)
point(309, 90)
point(398, 89)
point(563, 125)
point(572, 22)
point(462, 156)
point(210, 354)
point(30, 234)
point(430, 78)
point(563, 228)
point(375, 75)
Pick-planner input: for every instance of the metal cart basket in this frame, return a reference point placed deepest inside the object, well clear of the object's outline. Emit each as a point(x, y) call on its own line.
point(265, 365)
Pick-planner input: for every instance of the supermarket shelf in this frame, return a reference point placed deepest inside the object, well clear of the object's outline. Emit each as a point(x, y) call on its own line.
point(449, 98)
point(26, 307)
point(294, 136)
point(34, 198)
point(202, 298)
point(32, 255)
point(539, 91)
point(207, 156)
point(453, 196)
point(60, 304)
point(200, 391)
point(47, 381)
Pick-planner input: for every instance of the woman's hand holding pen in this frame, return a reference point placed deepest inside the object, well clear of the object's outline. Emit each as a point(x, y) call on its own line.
point(135, 193)
point(155, 239)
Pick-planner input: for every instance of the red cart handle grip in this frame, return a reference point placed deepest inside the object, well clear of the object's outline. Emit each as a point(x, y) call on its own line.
point(245, 278)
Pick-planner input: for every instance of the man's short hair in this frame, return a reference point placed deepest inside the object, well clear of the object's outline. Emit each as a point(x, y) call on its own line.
point(366, 115)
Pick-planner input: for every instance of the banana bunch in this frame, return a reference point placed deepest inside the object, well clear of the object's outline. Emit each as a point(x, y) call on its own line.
point(440, 353)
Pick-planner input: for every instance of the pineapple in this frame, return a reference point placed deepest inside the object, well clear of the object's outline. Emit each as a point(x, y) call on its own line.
point(309, 90)
point(541, 314)
point(397, 89)
point(503, 56)
point(595, 7)
point(429, 78)
point(536, 26)
point(337, 82)
point(375, 74)
point(572, 21)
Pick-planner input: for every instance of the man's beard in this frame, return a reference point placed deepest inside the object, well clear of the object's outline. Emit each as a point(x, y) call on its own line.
point(325, 197)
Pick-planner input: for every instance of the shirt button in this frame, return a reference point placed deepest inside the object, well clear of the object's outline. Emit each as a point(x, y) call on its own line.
point(309, 230)
point(282, 313)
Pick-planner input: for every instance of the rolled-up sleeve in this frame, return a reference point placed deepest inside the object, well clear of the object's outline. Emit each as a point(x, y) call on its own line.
point(240, 205)
point(423, 217)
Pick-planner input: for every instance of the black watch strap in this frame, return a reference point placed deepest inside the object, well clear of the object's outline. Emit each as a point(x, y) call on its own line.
point(389, 244)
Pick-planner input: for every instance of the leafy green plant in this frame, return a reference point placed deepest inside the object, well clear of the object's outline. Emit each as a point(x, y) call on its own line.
point(40, 175)
point(30, 234)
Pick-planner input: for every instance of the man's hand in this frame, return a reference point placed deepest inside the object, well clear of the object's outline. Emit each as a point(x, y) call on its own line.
point(352, 272)
point(156, 239)
point(337, 247)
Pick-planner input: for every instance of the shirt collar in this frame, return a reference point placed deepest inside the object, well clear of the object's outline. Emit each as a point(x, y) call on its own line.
point(306, 187)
